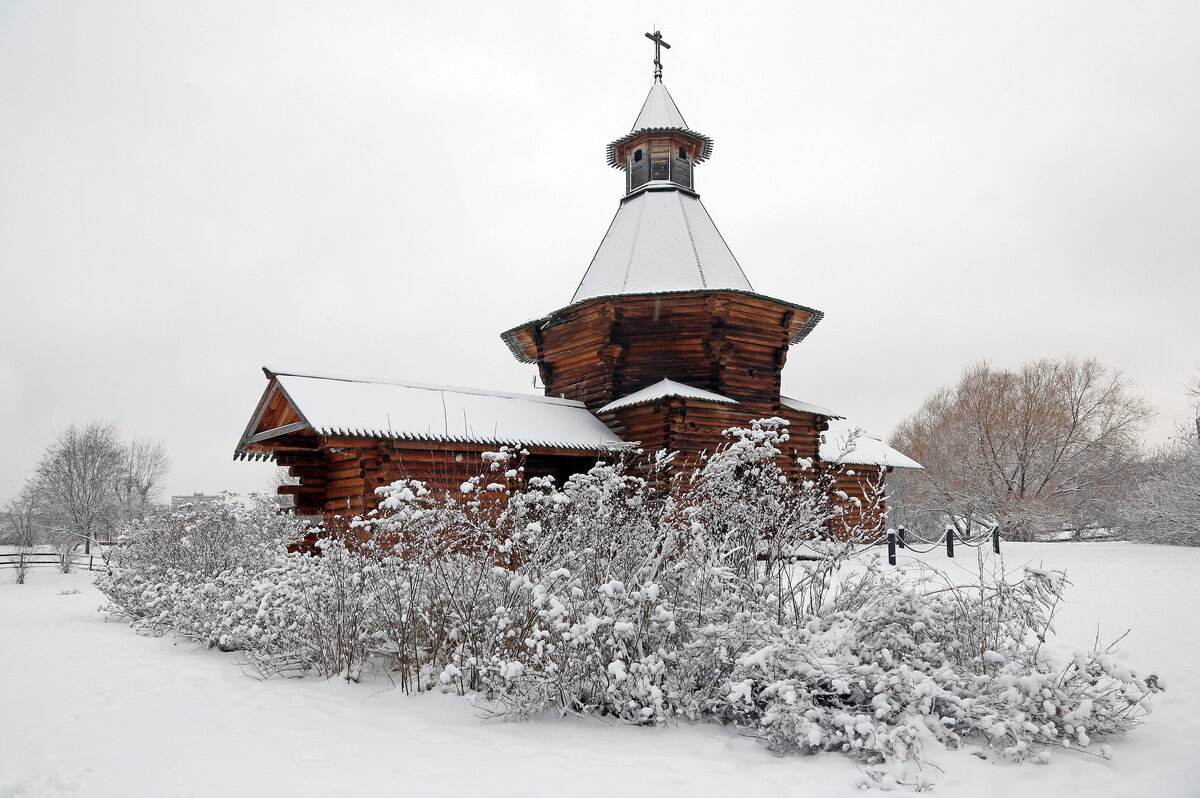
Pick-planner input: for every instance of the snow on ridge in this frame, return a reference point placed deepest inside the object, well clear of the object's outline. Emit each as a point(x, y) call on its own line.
point(663, 389)
point(837, 446)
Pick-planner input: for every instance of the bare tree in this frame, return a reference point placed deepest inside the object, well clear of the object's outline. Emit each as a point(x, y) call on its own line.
point(77, 480)
point(279, 478)
point(21, 518)
point(1192, 389)
point(144, 466)
point(1037, 449)
point(1165, 506)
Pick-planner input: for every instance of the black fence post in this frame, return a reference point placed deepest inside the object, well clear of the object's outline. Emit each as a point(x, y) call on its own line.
point(996, 539)
point(949, 541)
point(891, 535)
point(901, 534)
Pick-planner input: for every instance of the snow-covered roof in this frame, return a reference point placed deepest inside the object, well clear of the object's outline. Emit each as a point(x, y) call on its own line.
point(659, 113)
point(662, 390)
point(807, 407)
point(334, 405)
point(661, 241)
point(659, 110)
point(843, 446)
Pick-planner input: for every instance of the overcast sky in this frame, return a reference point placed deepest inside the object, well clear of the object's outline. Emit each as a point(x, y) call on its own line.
point(189, 191)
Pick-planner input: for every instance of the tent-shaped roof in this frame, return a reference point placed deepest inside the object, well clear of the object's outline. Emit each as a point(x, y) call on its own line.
point(661, 241)
point(663, 389)
point(659, 110)
point(659, 113)
point(363, 407)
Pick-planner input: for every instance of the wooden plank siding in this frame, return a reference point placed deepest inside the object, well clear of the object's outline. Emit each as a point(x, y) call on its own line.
point(730, 343)
point(339, 479)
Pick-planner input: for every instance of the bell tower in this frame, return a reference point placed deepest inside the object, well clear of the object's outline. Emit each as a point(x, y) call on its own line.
point(660, 149)
point(664, 298)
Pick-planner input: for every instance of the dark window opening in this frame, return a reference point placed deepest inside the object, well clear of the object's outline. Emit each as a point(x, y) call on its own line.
point(560, 467)
point(682, 154)
point(637, 155)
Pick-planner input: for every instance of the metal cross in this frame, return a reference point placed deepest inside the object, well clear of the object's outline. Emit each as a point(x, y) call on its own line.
point(657, 38)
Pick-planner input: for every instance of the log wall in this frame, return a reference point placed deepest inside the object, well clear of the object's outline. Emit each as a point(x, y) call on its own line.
point(730, 343)
point(338, 479)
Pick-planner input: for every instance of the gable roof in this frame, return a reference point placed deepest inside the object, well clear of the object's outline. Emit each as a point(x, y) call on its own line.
point(661, 241)
point(373, 408)
point(837, 447)
point(663, 389)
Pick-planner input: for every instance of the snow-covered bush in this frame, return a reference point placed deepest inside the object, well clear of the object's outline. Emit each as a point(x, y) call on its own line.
point(896, 662)
point(645, 594)
point(188, 571)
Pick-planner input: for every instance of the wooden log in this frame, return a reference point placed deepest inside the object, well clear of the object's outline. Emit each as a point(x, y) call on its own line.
point(296, 490)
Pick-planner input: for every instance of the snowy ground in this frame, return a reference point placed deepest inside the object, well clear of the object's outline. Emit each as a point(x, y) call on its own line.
point(88, 708)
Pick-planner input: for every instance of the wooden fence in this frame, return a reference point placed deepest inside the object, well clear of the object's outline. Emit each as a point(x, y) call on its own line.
point(41, 559)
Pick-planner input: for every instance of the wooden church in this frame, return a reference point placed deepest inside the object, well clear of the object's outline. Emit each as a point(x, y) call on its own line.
point(665, 343)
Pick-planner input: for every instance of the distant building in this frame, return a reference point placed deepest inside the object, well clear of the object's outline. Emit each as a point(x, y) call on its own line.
point(195, 498)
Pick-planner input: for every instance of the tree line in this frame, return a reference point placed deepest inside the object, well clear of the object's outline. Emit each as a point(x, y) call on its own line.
point(1051, 448)
point(89, 480)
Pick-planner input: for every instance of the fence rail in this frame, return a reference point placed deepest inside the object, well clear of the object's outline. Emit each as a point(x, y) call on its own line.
point(40, 559)
point(900, 538)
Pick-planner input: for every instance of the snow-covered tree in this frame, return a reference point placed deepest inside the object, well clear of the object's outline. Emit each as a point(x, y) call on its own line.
point(1165, 506)
point(88, 480)
point(77, 479)
point(144, 466)
point(1037, 449)
point(21, 529)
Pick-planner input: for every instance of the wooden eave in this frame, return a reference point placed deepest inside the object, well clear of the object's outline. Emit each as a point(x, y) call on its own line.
point(703, 144)
point(276, 425)
point(524, 340)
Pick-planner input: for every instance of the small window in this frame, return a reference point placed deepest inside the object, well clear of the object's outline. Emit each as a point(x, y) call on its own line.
point(682, 154)
point(637, 155)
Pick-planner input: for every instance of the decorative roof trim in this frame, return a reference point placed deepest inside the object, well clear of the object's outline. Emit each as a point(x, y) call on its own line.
point(664, 389)
point(705, 150)
point(509, 335)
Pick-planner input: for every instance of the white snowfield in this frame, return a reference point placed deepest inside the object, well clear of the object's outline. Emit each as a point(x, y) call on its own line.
point(88, 708)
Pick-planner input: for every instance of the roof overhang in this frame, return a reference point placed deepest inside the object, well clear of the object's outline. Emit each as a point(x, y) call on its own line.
point(519, 350)
point(614, 148)
point(300, 412)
